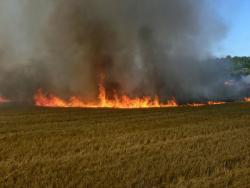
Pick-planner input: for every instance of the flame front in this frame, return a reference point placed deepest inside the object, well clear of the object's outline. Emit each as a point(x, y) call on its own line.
point(124, 101)
point(3, 100)
point(247, 99)
point(208, 103)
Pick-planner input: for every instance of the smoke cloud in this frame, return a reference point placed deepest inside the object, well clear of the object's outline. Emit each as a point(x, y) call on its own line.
point(141, 47)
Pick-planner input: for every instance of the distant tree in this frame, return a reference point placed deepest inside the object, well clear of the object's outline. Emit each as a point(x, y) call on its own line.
point(240, 65)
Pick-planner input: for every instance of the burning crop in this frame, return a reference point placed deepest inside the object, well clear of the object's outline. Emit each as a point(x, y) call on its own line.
point(123, 101)
point(206, 103)
point(247, 99)
point(152, 53)
point(3, 100)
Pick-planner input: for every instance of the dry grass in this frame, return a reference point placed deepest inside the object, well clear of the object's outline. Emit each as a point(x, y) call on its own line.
point(178, 147)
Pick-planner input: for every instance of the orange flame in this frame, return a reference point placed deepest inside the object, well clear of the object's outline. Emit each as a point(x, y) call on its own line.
point(3, 100)
point(197, 104)
point(247, 99)
point(208, 103)
point(103, 102)
point(123, 101)
point(215, 102)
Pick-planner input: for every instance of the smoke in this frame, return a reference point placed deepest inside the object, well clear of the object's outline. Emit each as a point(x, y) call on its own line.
point(246, 79)
point(141, 47)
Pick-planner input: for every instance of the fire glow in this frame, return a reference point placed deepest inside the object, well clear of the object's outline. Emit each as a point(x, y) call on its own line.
point(124, 101)
point(3, 100)
point(205, 104)
point(247, 99)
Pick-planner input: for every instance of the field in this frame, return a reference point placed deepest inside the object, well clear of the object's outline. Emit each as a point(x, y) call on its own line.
point(169, 147)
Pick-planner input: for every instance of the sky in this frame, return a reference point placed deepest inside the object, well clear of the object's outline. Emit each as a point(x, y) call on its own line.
point(236, 15)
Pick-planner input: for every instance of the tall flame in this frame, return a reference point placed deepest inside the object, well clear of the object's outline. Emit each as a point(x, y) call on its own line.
point(123, 101)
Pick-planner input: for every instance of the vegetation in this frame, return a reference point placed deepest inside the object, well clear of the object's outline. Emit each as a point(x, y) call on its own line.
point(172, 147)
point(240, 65)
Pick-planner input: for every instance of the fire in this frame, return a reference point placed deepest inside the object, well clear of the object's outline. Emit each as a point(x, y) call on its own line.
point(124, 101)
point(208, 103)
point(3, 100)
point(41, 99)
point(215, 102)
point(247, 99)
point(197, 104)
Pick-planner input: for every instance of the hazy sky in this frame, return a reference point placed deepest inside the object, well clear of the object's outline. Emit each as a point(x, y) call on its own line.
point(236, 14)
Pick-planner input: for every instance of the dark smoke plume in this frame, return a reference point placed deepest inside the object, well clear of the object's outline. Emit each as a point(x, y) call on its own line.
point(141, 47)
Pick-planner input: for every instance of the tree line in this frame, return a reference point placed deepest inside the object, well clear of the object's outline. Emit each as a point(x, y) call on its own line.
point(239, 65)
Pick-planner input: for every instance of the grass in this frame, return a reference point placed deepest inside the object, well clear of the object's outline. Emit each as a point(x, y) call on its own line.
point(175, 147)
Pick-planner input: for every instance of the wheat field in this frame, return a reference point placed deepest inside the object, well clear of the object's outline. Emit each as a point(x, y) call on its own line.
point(170, 147)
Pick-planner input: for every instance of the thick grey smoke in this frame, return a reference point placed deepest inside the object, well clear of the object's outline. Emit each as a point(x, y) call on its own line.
point(141, 47)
